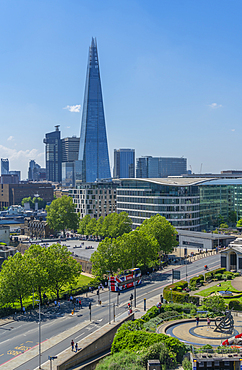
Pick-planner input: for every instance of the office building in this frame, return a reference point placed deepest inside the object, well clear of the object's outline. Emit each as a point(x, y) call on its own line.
point(53, 155)
point(70, 150)
point(4, 166)
point(96, 199)
point(36, 172)
point(12, 194)
point(188, 203)
point(93, 160)
point(10, 179)
point(155, 167)
point(124, 163)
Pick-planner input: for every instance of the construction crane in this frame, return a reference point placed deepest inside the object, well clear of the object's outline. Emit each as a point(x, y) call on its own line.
point(191, 168)
point(201, 168)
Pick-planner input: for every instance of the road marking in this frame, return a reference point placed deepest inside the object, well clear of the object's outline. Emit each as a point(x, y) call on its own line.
point(2, 354)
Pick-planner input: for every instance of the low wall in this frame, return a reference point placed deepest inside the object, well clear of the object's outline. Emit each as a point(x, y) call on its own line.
point(98, 342)
point(86, 264)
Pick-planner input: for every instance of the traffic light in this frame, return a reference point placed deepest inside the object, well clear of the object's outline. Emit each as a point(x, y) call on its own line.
point(90, 305)
point(131, 296)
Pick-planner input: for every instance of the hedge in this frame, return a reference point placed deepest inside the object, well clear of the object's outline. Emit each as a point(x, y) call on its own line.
point(211, 274)
point(196, 280)
point(235, 304)
point(177, 295)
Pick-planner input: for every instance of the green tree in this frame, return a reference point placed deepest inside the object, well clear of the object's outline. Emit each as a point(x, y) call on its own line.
point(214, 304)
point(99, 227)
point(61, 214)
point(36, 258)
point(162, 230)
point(61, 267)
point(15, 280)
point(239, 223)
point(106, 257)
point(137, 249)
point(115, 225)
point(119, 361)
point(83, 224)
point(91, 227)
point(27, 200)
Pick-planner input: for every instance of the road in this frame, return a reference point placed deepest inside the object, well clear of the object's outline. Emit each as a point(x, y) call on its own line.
point(22, 334)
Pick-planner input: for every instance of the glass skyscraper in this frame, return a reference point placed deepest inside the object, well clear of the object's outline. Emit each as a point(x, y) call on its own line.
point(93, 160)
point(53, 155)
point(124, 162)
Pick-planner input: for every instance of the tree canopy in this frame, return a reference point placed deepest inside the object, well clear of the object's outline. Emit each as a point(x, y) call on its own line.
point(162, 231)
point(61, 214)
point(39, 269)
point(239, 223)
point(112, 226)
point(32, 201)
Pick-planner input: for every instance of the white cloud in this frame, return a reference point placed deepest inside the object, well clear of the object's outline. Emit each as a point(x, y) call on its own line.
point(233, 129)
point(10, 138)
point(19, 159)
point(68, 126)
point(73, 108)
point(215, 105)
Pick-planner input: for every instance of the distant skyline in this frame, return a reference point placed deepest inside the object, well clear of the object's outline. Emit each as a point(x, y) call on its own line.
point(170, 72)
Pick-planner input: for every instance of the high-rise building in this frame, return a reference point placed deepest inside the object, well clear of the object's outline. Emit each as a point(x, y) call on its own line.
point(93, 160)
point(155, 167)
point(35, 172)
point(4, 166)
point(124, 163)
point(70, 150)
point(53, 155)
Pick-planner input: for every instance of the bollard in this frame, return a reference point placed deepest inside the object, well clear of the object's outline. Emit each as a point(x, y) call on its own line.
point(144, 304)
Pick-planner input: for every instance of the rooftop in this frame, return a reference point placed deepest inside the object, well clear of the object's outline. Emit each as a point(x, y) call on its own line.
point(186, 181)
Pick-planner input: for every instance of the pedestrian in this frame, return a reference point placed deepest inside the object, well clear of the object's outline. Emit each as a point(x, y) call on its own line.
point(24, 310)
point(59, 304)
point(77, 301)
point(55, 302)
point(197, 320)
point(106, 284)
point(208, 322)
point(71, 299)
point(76, 346)
point(80, 303)
point(72, 345)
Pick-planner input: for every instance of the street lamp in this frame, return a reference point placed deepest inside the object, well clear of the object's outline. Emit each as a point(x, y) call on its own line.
point(37, 300)
point(109, 303)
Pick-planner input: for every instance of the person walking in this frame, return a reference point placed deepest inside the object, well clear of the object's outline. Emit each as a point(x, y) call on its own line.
point(76, 346)
point(59, 304)
point(208, 322)
point(197, 320)
point(72, 345)
point(55, 302)
point(80, 303)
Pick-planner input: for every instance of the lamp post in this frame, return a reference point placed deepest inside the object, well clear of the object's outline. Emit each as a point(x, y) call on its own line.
point(39, 335)
point(109, 298)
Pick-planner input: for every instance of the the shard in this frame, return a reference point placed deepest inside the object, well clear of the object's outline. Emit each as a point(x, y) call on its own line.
point(93, 160)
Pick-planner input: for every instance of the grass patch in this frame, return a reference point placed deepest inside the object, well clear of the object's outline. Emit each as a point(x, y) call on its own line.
point(225, 285)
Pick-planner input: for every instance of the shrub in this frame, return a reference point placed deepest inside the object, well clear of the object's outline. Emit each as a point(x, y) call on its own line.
point(177, 296)
point(186, 364)
point(235, 304)
point(218, 276)
point(151, 313)
point(236, 274)
point(153, 323)
point(197, 280)
point(229, 276)
point(224, 277)
point(161, 352)
point(120, 361)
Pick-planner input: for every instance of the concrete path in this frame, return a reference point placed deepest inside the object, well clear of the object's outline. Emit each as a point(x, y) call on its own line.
point(237, 283)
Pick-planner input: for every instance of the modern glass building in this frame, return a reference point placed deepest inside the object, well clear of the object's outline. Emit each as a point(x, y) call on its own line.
point(4, 166)
point(53, 155)
point(155, 167)
point(124, 163)
point(188, 203)
point(93, 153)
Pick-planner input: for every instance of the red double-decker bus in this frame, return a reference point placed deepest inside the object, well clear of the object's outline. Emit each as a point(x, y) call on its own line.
point(125, 280)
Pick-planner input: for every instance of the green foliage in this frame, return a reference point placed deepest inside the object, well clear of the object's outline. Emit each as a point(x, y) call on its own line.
point(236, 274)
point(61, 267)
point(196, 280)
point(119, 361)
point(218, 276)
point(235, 304)
point(214, 304)
point(112, 226)
point(239, 223)
point(168, 315)
point(150, 314)
point(15, 280)
point(61, 214)
point(211, 274)
point(134, 249)
point(232, 218)
point(176, 295)
point(159, 351)
point(162, 230)
point(186, 364)
point(32, 201)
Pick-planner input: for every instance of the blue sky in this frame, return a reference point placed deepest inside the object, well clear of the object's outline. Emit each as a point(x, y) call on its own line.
point(170, 70)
